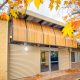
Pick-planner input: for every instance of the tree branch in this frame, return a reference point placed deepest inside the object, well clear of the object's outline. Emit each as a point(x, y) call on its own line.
point(3, 4)
point(77, 12)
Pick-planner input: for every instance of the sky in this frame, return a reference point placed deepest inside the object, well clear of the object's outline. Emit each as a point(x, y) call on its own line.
point(45, 11)
point(4, 8)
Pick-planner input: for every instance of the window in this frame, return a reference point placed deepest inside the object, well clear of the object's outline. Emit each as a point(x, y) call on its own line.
point(75, 56)
point(49, 61)
point(54, 60)
point(78, 55)
point(44, 61)
point(72, 56)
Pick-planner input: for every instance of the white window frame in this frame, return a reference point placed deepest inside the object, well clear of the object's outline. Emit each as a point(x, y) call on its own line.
point(78, 53)
point(75, 52)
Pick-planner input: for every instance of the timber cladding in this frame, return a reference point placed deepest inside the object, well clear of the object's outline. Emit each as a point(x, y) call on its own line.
point(3, 49)
point(19, 30)
point(27, 31)
point(60, 39)
point(34, 32)
point(48, 35)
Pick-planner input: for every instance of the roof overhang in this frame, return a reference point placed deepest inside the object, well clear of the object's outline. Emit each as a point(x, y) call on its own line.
point(45, 20)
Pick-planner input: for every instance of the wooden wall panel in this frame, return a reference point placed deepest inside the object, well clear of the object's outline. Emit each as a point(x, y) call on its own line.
point(69, 42)
point(34, 31)
point(60, 40)
point(3, 50)
point(19, 30)
point(49, 36)
point(74, 44)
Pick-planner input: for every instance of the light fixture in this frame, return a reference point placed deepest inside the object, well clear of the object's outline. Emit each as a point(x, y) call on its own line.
point(26, 48)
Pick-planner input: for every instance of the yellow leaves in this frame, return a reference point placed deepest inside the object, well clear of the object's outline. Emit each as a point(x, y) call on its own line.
point(42, 1)
point(66, 2)
point(78, 36)
point(51, 5)
point(37, 3)
point(65, 18)
point(67, 30)
point(7, 17)
point(22, 12)
point(14, 3)
point(4, 16)
point(29, 1)
point(10, 3)
point(26, 3)
point(58, 2)
point(19, 1)
point(73, 1)
point(57, 6)
point(13, 13)
point(52, 2)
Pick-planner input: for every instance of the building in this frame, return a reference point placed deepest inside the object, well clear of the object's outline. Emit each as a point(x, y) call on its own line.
point(35, 45)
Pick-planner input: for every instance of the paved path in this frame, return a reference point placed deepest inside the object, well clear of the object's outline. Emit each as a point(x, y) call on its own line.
point(75, 76)
point(57, 76)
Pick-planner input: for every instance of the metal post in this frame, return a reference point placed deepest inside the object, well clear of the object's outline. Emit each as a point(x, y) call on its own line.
point(49, 59)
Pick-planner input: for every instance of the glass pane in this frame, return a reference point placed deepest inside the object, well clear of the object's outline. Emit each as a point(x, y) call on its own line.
point(78, 56)
point(54, 60)
point(72, 56)
point(44, 61)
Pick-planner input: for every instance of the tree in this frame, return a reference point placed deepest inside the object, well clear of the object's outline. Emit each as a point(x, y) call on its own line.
point(19, 7)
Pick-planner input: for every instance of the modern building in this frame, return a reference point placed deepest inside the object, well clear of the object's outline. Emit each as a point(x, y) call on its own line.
point(35, 45)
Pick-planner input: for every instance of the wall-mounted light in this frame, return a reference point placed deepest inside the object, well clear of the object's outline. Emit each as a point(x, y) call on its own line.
point(26, 48)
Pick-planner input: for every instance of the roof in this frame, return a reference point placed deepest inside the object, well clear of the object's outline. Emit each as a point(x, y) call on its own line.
point(32, 16)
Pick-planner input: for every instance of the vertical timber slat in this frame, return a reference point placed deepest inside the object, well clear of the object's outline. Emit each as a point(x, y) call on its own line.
point(35, 34)
point(49, 36)
point(3, 49)
point(19, 30)
point(60, 40)
point(69, 42)
point(74, 44)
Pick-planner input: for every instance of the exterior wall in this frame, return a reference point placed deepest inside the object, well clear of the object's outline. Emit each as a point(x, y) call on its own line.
point(64, 59)
point(3, 49)
point(75, 65)
point(27, 63)
point(23, 63)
